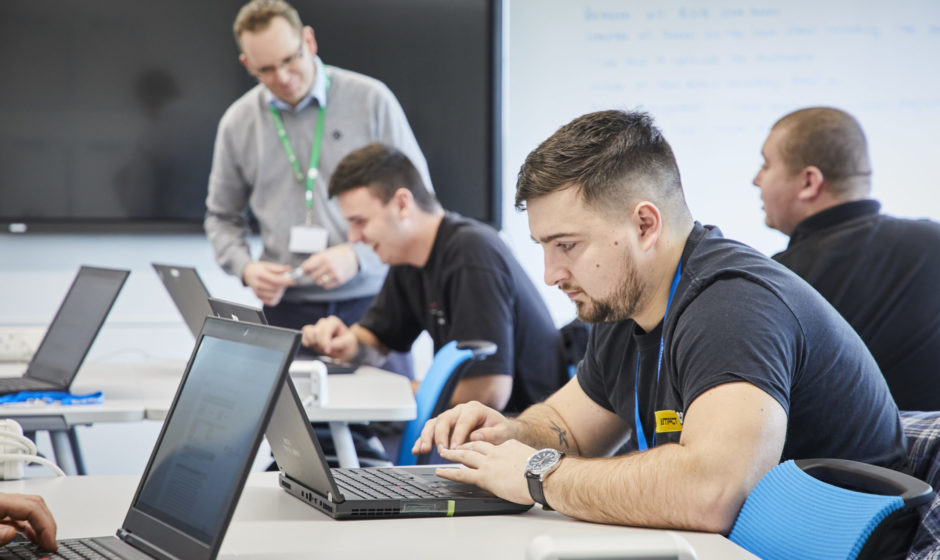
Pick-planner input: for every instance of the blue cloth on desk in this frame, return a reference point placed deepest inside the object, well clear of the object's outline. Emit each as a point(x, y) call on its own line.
point(51, 397)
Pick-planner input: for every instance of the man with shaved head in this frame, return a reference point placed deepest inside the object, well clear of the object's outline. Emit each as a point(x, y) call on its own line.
point(880, 272)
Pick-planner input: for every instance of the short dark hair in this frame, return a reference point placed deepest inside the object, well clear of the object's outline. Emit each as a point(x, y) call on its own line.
point(829, 139)
point(257, 15)
point(615, 159)
point(384, 170)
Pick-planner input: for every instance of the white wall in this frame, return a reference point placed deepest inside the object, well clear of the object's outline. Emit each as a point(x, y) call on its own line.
point(716, 74)
point(37, 269)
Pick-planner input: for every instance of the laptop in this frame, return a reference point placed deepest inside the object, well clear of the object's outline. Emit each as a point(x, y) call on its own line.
point(362, 493)
point(71, 333)
point(237, 311)
point(199, 465)
point(188, 293)
point(240, 312)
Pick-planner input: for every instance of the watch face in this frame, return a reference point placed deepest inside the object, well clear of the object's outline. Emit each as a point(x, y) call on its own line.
point(542, 461)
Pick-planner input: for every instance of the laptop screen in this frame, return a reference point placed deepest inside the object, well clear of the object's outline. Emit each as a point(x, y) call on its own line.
point(76, 324)
point(210, 437)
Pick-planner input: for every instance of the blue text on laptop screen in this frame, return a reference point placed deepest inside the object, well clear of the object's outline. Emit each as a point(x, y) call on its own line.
point(208, 439)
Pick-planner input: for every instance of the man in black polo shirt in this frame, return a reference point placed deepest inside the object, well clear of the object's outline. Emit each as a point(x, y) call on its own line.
point(880, 272)
point(710, 359)
point(450, 275)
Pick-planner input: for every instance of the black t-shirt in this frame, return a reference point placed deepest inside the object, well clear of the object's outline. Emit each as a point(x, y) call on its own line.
point(883, 275)
point(739, 316)
point(473, 288)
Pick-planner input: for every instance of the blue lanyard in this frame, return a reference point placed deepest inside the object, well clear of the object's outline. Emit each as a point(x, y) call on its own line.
point(640, 436)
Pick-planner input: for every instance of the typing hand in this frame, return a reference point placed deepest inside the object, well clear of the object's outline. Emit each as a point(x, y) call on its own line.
point(497, 468)
point(331, 337)
point(465, 422)
point(29, 515)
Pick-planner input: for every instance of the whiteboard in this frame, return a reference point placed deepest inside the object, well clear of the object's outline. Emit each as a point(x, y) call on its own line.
point(716, 75)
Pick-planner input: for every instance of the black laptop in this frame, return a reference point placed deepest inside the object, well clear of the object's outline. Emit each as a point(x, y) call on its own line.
point(237, 311)
point(199, 465)
point(240, 312)
point(71, 333)
point(188, 293)
point(362, 493)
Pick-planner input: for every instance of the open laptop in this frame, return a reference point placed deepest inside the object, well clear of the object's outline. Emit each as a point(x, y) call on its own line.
point(360, 493)
point(202, 457)
point(71, 333)
point(240, 312)
point(237, 311)
point(188, 293)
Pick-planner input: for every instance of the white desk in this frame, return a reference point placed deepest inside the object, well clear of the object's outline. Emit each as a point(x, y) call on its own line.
point(269, 523)
point(136, 391)
point(60, 421)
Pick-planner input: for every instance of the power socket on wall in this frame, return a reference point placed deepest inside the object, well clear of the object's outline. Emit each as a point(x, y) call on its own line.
point(17, 344)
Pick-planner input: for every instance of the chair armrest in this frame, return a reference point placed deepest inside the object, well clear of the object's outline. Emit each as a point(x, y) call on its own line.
point(480, 348)
point(871, 479)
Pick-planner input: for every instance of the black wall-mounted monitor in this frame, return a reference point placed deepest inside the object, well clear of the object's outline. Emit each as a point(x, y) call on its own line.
point(110, 108)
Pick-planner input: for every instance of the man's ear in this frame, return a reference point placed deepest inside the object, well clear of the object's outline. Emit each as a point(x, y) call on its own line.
point(244, 60)
point(811, 184)
point(308, 37)
point(649, 220)
point(403, 202)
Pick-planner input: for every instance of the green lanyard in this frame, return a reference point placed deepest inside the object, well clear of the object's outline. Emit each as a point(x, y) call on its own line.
point(312, 170)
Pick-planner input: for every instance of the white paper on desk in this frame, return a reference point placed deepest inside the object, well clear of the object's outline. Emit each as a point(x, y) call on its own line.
point(307, 239)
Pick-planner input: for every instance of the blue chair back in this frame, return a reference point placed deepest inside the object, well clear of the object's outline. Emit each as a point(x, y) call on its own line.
point(793, 514)
point(440, 376)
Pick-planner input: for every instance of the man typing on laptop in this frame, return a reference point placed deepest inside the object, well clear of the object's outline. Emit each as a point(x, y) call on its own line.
point(712, 360)
point(450, 275)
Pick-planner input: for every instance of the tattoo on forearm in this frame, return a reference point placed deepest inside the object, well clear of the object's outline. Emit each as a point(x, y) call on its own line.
point(562, 435)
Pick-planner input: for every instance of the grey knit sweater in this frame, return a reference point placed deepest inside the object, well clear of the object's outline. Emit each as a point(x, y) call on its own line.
point(251, 170)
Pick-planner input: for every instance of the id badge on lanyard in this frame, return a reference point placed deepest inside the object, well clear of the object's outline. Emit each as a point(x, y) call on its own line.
point(307, 238)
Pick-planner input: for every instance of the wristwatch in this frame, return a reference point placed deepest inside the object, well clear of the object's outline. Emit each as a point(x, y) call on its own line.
point(537, 468)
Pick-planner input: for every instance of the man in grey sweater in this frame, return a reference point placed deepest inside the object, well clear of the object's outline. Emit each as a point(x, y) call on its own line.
point(275, 150)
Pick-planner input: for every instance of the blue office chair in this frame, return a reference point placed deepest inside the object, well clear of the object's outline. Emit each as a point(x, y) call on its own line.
point(830, 508)
point(433, 396)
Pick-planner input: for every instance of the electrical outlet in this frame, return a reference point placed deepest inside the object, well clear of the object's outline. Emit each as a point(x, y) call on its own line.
point(17, 344)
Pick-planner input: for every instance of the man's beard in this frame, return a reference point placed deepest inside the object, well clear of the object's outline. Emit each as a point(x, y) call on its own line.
point(620, 306)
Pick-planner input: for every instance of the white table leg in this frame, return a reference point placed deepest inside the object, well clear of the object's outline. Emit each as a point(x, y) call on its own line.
point(343, 441)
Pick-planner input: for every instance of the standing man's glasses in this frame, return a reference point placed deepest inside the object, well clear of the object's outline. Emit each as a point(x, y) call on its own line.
point(269, 71)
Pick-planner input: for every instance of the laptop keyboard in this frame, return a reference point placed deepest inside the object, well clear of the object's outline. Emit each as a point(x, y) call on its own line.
point(69, 549)
point(396, 484)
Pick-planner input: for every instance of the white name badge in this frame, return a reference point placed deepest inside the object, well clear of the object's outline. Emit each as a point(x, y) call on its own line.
point(307, 239)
